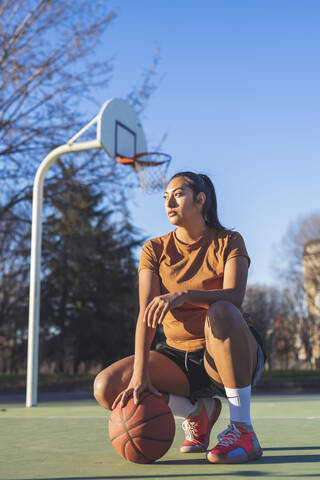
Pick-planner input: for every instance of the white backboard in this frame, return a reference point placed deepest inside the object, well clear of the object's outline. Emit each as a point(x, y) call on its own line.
point(119, 130)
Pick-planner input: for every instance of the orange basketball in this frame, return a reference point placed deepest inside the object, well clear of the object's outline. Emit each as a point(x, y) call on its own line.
point(144, 432)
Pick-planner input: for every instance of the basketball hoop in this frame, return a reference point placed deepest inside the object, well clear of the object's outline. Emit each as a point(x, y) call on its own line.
point(151, 167)
point(120, 133)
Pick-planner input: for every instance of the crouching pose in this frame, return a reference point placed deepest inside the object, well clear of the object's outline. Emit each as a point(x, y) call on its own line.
point(192, 281)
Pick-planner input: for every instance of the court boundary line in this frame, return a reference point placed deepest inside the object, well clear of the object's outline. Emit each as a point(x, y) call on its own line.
point(86, 417)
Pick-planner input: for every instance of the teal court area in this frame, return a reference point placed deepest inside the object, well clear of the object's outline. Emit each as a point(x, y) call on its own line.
point(68, 440)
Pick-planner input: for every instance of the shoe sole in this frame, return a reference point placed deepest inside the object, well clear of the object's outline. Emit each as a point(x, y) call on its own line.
point(202, 448)
point(244, 458)
point(194, 449)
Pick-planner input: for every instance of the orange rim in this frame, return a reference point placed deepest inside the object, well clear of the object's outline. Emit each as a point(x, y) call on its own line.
point(147, 163)
point(125, 160)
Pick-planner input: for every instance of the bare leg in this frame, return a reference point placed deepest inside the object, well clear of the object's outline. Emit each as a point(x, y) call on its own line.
point(165, 375)
point(231, 358)
point(231, 349)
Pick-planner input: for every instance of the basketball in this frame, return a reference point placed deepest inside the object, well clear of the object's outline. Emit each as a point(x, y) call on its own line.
point(144, 432)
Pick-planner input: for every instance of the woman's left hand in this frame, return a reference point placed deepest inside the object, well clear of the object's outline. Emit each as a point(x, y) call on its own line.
point(159, 307)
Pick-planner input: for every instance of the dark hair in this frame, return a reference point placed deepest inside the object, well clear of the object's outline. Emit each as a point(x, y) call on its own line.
point(199, 182)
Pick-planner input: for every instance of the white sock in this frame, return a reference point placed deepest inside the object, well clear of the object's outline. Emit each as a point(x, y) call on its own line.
point(239, 404)
point(181, 406)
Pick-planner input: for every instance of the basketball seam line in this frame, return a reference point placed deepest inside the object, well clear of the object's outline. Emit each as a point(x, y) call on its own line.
point(152, 438)
point(136, 424)
point(135, 408)
point(132, 443)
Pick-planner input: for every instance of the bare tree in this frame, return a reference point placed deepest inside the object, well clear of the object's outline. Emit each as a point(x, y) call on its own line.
point(284, 340)
point(301, 282)
point(46, 72)
point(290, 254)
point(49, 73)
point(264, 304)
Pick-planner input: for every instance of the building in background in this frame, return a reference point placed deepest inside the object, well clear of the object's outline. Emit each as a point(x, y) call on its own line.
point(311, 270)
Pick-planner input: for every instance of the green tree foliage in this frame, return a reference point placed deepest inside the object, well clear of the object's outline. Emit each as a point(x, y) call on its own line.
point(14, 275)
point(89, 286)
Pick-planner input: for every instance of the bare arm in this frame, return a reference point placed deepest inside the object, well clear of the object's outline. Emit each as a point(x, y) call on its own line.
point(149, 287)
point(234, 287)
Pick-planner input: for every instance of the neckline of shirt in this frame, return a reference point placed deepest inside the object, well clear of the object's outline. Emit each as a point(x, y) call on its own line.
point(192, 245)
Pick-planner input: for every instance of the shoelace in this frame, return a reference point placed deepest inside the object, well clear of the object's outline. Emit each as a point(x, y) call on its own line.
point(229, 436)
point(190, 429)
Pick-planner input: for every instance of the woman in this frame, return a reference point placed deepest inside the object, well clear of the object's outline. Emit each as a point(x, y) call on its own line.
point(193, 280)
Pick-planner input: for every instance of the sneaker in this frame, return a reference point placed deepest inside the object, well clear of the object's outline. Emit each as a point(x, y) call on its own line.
point(237, 444)
point(198, 425)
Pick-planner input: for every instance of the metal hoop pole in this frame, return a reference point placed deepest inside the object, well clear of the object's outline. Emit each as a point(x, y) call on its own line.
point(35, 263)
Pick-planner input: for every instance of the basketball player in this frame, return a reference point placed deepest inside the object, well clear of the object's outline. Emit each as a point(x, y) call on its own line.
point(192, 282)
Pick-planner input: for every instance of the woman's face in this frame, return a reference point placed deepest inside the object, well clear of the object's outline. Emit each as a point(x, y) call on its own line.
point(181, 207)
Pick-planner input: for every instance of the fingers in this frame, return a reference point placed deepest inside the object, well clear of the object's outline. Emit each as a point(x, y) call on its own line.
point(159, 307)
point(163, 313)
point(136, 397)
point(117, 400)
point(122, 398)
point(156, 315)
point(150, 311)
point(155, 312)
point(125, 397)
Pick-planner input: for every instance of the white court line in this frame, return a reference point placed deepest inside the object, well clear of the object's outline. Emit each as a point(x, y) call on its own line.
point(286, 418)
point(50, 418)
point(176, 417)
point(268, 418)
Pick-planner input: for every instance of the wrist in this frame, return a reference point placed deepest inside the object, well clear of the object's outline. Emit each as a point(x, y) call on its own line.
point(140, 370)
point(138, 376)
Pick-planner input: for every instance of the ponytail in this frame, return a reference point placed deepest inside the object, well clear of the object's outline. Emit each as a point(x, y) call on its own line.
point(202, 183)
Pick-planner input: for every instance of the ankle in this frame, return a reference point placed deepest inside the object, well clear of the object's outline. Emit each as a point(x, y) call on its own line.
point(181, 406)
point(239, 404)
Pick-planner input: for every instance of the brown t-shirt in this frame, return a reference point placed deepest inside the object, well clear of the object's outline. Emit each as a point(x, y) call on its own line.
point(196, 266)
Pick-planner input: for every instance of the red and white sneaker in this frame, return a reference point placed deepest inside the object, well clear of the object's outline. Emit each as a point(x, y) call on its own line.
point(198, 425)
point(237, 444)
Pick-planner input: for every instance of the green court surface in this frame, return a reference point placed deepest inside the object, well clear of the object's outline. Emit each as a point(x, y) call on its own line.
point(69, 441)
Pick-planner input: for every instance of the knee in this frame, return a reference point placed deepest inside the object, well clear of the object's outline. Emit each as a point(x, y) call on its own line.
point(104, 389)
point(223, 318)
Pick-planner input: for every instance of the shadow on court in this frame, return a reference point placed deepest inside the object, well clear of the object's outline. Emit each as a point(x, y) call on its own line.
point(261, 461)
point(250, 473)
point(183, 475)
point(68, 441)
point(290, 459)
point(291, 448)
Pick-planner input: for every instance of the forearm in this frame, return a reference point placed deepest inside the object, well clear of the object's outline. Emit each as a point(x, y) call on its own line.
point(208, 297)
point(143, 340)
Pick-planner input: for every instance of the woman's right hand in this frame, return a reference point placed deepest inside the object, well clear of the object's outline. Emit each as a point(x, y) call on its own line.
point(136, 386)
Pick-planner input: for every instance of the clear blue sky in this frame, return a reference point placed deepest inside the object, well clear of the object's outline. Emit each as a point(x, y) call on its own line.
point(240, 101)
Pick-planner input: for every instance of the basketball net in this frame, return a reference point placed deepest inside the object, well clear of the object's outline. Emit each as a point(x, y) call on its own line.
point(151, 168)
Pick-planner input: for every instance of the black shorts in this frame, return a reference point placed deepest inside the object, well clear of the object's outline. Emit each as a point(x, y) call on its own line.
point(191, 363)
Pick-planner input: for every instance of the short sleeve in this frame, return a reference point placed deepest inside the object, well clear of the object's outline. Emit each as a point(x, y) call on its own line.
point(236, 247)
point(148, 259)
